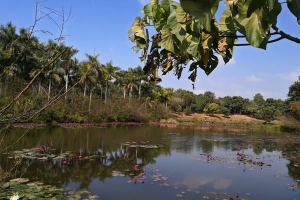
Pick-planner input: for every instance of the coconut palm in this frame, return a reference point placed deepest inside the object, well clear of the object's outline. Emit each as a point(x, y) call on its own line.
point(132, 81)
point(166, 95)
point(89, 75)
point(110, 73)
point(8, 47)
point(141, 77)
point(68, 63)
point(54, 74)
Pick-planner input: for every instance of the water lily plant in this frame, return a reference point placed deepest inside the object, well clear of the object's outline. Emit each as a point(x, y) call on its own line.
point(15, 196)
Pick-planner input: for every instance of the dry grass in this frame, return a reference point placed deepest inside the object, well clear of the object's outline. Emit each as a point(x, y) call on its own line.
point(216, 118)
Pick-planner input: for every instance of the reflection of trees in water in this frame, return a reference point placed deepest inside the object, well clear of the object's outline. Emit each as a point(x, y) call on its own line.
point(294, 171)
point(102, 165)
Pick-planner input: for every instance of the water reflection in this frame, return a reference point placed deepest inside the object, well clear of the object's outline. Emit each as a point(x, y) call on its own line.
point(192, 161)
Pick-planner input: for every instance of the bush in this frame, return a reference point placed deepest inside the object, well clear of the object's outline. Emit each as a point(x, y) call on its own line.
point(187, 111)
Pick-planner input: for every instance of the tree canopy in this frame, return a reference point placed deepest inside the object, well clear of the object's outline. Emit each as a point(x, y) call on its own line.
point(188, 33)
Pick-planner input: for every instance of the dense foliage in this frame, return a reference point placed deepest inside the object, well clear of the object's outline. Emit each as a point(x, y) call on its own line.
point(189, 33)
point(89, 91)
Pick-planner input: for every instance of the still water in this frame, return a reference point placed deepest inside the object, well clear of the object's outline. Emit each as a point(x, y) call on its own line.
point(148, 162)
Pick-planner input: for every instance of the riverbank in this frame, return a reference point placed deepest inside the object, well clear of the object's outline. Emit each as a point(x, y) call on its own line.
point(236, 123)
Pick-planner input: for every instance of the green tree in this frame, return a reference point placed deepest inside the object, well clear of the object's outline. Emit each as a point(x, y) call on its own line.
point(69, 63)
point(212, 108)
point(294, 91)
point(268, 114)
point(141, 78)
point(88, 76)
point(54, 75)
point(110, 73)
point(189, 33)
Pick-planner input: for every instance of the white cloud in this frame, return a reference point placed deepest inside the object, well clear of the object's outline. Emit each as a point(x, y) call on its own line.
point(253, 78)
point(292, 76)
point(194, 182)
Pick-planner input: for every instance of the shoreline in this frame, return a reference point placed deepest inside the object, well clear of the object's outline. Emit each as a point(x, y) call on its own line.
point(235, 123)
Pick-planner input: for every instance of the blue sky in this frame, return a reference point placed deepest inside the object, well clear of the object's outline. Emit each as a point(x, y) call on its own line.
point(101, 26)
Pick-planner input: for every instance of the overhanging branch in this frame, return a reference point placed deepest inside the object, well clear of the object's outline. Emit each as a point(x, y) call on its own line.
point(285, 35)
point(270, 41)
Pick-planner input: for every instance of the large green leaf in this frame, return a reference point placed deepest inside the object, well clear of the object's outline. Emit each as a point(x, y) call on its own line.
point(294, 7)
point(204, 10)
point(213, 63)
point(198, 8)
point(181, 15)
point(168, 40)
point(254, 28)
point(137, 28)
point(193, 48)
point(148, 10)
point(242, 9)
point(254, 5)
point(137, 35)
point(226, 22)
point(227, 28)
point(169, 6)
point(176, 28)
point(274, 10)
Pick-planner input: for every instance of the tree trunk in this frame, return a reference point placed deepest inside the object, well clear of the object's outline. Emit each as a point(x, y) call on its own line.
point(40, 86)
point(124, 93)
point(90, 102)
point(84, 89)
point(130, 92)
point(140, 90)
point(67, 82)
point(101, 91)
point(49, 90)
point(106, 92)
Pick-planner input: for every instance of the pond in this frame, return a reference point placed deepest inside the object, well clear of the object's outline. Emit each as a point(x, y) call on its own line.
point(152, 162)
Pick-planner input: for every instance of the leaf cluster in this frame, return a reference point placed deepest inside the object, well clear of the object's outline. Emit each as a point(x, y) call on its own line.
point(188, 33)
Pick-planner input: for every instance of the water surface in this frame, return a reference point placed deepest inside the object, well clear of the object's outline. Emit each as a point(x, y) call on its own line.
point(161, 163)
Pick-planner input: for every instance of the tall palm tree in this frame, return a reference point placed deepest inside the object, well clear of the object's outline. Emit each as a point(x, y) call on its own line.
point(141, 77)
point(122, 82)
point(8, 47)
point(132, 81)
point(68, 63)
point(54, 74)
point(89, 74)
point(110, 73)
point(166, 95)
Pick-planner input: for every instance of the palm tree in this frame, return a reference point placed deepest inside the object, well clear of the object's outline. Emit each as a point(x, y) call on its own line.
point(166, 95)
point(122, 81)
point(141, 77)
point(110, 73)
point(68, 63)
point(8, 47)
point(132, 81)
point(89, 74)
point(54, 74)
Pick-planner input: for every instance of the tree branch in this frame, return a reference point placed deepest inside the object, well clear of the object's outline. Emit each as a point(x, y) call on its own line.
point(270, 41)
point(285, 35)
point(242, 36)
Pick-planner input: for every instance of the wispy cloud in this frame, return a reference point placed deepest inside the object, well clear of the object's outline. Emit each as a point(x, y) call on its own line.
point(254, 79)
point(292, 76)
